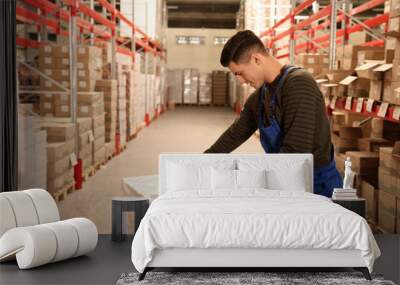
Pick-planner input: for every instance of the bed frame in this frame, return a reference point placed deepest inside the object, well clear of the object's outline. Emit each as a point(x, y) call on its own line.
point(242, 259)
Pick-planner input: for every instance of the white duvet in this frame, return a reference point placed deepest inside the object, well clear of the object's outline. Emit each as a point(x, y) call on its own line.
point(252, 218)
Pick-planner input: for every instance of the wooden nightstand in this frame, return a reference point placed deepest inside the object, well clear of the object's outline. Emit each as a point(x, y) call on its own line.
point(356, 205)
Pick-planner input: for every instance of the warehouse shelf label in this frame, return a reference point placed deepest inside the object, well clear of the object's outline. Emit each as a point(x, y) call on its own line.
point(384, 67)
point(72, 159)
point(370, 104)
point(360, 102)
point(396, 113)
point(348, 80)
point(383, 109)
point(348, 103)
point(91, 137)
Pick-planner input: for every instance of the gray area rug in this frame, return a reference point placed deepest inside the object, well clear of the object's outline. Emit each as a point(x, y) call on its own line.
point(243, 278)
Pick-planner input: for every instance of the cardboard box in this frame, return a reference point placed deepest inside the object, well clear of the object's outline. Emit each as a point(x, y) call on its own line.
point(393, 29)
point(371, 195)
point(348, 132)
point(367, 55)
point(49, 62)
point(353, 50)
point(373, 144)
point(85, 140)
point(58, 167)
point(58, 183)
point(90, 110)
point(385, 129)
point(58, 132)
point(99, 156)
point(84, 125)
point(366, 70)
point(363, 160)
point(98, 143)
point(54, 51)
point(385, 157)
point(57, 151)
point(394, 97)
point(387, 211)
point(375, 90)
point(389, 182)
point(99, 131)
point(359, 88)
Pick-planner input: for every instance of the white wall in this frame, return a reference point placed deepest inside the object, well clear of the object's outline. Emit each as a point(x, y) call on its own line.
point(203, 57)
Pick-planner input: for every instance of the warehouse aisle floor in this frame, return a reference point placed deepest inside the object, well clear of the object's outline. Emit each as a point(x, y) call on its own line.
point(185, 129)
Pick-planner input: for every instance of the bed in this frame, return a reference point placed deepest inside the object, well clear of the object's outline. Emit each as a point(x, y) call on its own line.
point(247, 210)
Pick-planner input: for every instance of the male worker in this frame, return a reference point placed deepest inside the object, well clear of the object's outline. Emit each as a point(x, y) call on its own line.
point(287, 108)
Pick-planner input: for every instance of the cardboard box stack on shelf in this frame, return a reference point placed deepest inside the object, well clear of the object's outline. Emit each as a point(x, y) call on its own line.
point(219, 87)
point(32, 153)
point(190, 86)
point(110, 94)
point(121, 108)
point(351, 56)
point(91, 105)
point(205, 84)
point(54, 62)
point(130, 104)
point(313, 62)
point(61, 156)
point(389, 187)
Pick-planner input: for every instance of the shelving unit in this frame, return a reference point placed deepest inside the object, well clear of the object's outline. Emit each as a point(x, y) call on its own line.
point(330, 16)
point(78, 22)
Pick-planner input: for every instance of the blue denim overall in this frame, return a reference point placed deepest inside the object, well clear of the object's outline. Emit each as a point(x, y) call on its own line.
point(325, 178)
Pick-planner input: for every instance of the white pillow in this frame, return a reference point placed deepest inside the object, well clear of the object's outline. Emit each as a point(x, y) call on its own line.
point(237, 179)
point(251, 178)
point(292, 179)
point(282, 174)
point(223, 179)
point(182, 177)
point(194, 175)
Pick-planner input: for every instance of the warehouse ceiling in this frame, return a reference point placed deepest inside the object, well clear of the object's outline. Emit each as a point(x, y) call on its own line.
point(217, 14)
point(222, 13)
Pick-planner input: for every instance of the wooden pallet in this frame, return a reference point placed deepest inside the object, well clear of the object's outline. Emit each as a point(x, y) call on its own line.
point(90, 171)
point(62, 193)
point(123, 147)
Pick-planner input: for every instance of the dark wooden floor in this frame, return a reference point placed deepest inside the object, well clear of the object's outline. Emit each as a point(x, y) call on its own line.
point(110, 260)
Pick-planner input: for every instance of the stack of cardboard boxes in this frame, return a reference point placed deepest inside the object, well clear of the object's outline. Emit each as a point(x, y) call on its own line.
point(389, 190)
point(110, 94)
point(348, 57)
point(121, 106)
point(130, 104)
point(219, 88)
point(205, 83)
point(313, 63)
point(61, 156)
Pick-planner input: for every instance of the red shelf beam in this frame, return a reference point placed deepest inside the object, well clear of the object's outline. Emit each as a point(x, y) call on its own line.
point(27, 43)
point(295, 12)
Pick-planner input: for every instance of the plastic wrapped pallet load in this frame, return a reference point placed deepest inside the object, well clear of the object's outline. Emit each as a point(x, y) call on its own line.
point(205, 85)
point(190, 86)
point(32, 154)
point(175, 85)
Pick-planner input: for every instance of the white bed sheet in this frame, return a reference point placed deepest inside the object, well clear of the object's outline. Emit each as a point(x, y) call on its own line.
point(251, 218)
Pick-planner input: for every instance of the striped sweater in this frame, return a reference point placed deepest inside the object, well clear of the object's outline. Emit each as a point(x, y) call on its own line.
point(300, 112)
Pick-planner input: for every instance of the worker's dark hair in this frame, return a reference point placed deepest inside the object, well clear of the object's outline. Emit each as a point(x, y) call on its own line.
point(240, 47)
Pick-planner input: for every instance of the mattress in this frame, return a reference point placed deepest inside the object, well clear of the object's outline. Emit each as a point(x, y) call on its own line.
point(253, 219)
